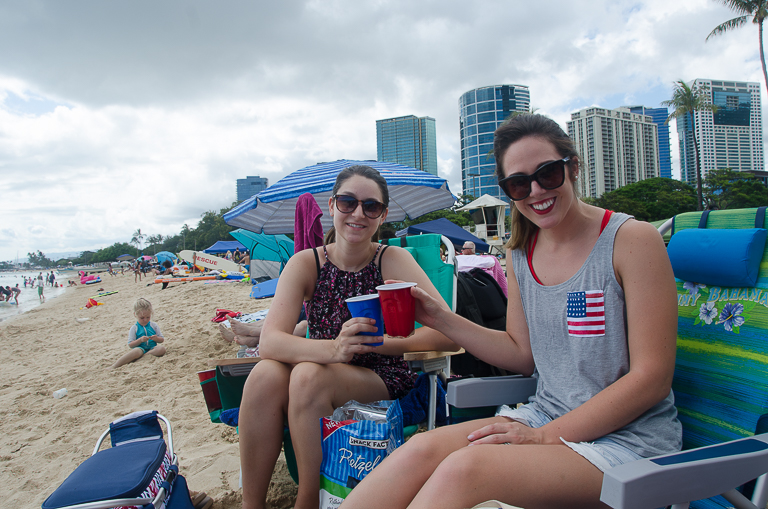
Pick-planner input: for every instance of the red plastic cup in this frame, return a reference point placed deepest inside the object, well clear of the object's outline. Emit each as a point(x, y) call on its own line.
point(210, 389)
point(398, 308)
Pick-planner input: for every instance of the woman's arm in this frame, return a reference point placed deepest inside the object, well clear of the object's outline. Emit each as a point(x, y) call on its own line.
point(296, 285)
point(643, 270)
point(509, 349)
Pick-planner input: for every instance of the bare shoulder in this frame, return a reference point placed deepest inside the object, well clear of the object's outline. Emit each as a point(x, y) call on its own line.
point(639, 253)
point(633, 235)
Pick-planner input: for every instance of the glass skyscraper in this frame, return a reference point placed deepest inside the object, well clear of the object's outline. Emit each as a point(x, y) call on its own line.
point(409, 140)
point(481, 111)
point(659, 116)
point(249, 186)
point(731, 138)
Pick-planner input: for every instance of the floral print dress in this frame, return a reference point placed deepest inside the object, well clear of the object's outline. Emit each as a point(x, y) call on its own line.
point(327, 312)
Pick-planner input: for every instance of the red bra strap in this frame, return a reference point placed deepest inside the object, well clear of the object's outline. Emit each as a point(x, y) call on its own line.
point(532, 246)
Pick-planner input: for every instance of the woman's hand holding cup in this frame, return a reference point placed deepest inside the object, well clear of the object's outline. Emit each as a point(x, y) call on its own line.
point(350, 342)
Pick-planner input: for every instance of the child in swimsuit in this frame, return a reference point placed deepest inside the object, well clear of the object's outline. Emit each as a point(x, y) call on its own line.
point(143, 336)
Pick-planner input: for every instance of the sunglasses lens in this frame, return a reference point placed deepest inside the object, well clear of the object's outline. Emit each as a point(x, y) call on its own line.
point(552, 175)
point(346, 204)
point(373, 209)
point(517, 188)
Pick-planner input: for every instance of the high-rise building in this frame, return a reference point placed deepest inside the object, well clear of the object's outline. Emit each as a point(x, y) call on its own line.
point(481, 111)
point(659, 116)
point(731, 138)
point(249, 186)
point(617, 147)
point(409, 140)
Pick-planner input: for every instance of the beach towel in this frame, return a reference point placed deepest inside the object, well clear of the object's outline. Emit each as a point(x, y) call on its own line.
point(307, 229)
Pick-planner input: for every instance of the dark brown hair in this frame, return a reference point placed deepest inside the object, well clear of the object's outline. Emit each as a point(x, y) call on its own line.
point(515, 129)
point(362, 171)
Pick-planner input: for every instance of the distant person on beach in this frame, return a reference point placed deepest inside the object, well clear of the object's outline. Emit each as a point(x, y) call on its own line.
point(5, 293)
point(236, 255)
point(40, 286)
point(249, 334)
point(136, 271)
point(52, 279)
point(143, 336)
point(164, 269)
point(15, 290)
point(228, 256)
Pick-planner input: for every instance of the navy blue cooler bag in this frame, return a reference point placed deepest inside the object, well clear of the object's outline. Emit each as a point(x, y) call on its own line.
point(138, 471)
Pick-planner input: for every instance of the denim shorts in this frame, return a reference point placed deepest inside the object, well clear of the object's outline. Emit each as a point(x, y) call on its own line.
point(603, 453)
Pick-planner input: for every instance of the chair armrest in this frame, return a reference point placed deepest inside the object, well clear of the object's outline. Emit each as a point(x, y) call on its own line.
point(685, 476)
point(490, 391)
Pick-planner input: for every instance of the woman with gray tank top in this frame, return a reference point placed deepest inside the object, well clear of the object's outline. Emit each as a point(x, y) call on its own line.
point(592, 313)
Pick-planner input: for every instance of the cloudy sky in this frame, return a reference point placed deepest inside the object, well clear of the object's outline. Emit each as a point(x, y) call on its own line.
point(123, 115)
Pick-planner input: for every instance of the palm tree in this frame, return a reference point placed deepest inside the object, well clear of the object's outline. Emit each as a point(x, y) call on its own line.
point(687, 101)
point(137, 238)
point(757, 9)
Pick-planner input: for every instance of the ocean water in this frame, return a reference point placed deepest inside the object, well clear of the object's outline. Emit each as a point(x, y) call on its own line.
point(28, 298)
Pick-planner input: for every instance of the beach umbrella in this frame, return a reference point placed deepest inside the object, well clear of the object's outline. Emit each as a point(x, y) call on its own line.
point(125, 257)
point(163, 256)
point(269, 248)
point(412, 193)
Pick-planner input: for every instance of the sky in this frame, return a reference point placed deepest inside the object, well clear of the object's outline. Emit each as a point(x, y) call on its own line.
point(116, 116)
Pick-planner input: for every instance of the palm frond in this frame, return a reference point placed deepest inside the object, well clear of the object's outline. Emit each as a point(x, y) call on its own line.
point(731, 24)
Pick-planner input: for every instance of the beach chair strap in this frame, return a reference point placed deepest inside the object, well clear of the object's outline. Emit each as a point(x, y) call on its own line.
point(703, 220)
point(760, 217)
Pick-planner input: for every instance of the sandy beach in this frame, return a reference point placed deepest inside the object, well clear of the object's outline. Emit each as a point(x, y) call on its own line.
point(47, 348)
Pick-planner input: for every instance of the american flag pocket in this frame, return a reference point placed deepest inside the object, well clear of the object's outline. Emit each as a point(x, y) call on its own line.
point(586, 313)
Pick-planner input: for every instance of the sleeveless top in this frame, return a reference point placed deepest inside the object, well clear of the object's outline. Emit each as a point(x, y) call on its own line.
point(327, 312)
point(578, 336)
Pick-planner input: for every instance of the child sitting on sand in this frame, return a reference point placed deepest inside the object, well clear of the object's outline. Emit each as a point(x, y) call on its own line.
point(143, 336)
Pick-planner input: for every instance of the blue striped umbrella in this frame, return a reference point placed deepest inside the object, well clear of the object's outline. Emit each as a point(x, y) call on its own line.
point(412, 193)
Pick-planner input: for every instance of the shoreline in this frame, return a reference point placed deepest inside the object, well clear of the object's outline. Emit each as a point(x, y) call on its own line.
point(47, 348)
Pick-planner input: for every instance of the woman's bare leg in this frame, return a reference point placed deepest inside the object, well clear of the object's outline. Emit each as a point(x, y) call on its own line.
point(439, 469)
point(315, 391)
point(262, 418)
point(410, 466)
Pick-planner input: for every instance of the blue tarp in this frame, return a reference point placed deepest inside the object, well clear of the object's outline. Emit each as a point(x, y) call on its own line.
point(223, 246)
point(455, 233)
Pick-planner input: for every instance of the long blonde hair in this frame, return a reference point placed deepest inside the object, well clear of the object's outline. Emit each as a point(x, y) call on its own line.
point(515, 129)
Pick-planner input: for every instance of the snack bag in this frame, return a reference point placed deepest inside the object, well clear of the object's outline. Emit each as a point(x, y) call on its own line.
point(356, 438)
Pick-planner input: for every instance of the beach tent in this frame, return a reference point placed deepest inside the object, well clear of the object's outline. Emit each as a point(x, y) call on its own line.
point(412, 193)
point(223, 246)
point(456, 234)
point(269, 253)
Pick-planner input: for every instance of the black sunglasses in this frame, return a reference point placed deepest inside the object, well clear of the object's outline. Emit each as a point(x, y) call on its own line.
point(347, 204)
point(549, 176)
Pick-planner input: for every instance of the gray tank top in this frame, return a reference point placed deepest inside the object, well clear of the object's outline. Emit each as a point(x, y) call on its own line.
point(578, 337)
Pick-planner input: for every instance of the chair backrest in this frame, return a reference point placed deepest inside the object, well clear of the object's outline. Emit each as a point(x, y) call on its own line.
point(721, 372)
point(425, 249)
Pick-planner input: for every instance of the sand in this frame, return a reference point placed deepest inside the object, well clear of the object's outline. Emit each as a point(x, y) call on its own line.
point(44, 439)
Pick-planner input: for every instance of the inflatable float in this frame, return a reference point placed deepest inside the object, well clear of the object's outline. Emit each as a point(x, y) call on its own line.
point(184, 279)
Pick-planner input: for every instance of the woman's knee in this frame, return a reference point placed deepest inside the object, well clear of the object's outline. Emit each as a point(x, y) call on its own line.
point(308, 382)
point(267, 378)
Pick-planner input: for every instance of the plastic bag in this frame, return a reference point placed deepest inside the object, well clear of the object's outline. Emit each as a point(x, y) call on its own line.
point(356, 438)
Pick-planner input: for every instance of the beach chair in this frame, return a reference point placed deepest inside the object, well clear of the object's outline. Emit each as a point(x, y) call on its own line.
point(720, 261)
point(425, 249)
point(139, 470)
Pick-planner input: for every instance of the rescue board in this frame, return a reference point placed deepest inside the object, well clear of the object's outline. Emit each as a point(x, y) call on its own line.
point(184, 279)
point(209, 261)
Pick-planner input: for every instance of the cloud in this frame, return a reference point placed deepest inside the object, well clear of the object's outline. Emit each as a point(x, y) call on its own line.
point(116, 116)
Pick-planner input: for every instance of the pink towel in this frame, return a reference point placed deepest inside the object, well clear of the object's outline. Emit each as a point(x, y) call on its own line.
point(307, 230)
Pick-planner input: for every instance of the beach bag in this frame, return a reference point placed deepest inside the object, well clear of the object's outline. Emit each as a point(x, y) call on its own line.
point(356, 438)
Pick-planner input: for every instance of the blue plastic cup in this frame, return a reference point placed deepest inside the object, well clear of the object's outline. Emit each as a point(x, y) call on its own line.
point(368, 306)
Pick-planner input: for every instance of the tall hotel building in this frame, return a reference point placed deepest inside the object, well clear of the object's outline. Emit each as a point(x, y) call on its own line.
point(617, 148)
point(249, 186)
point(659, 116)
point(409, 140)
point(731, 138)
point(481, 111)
